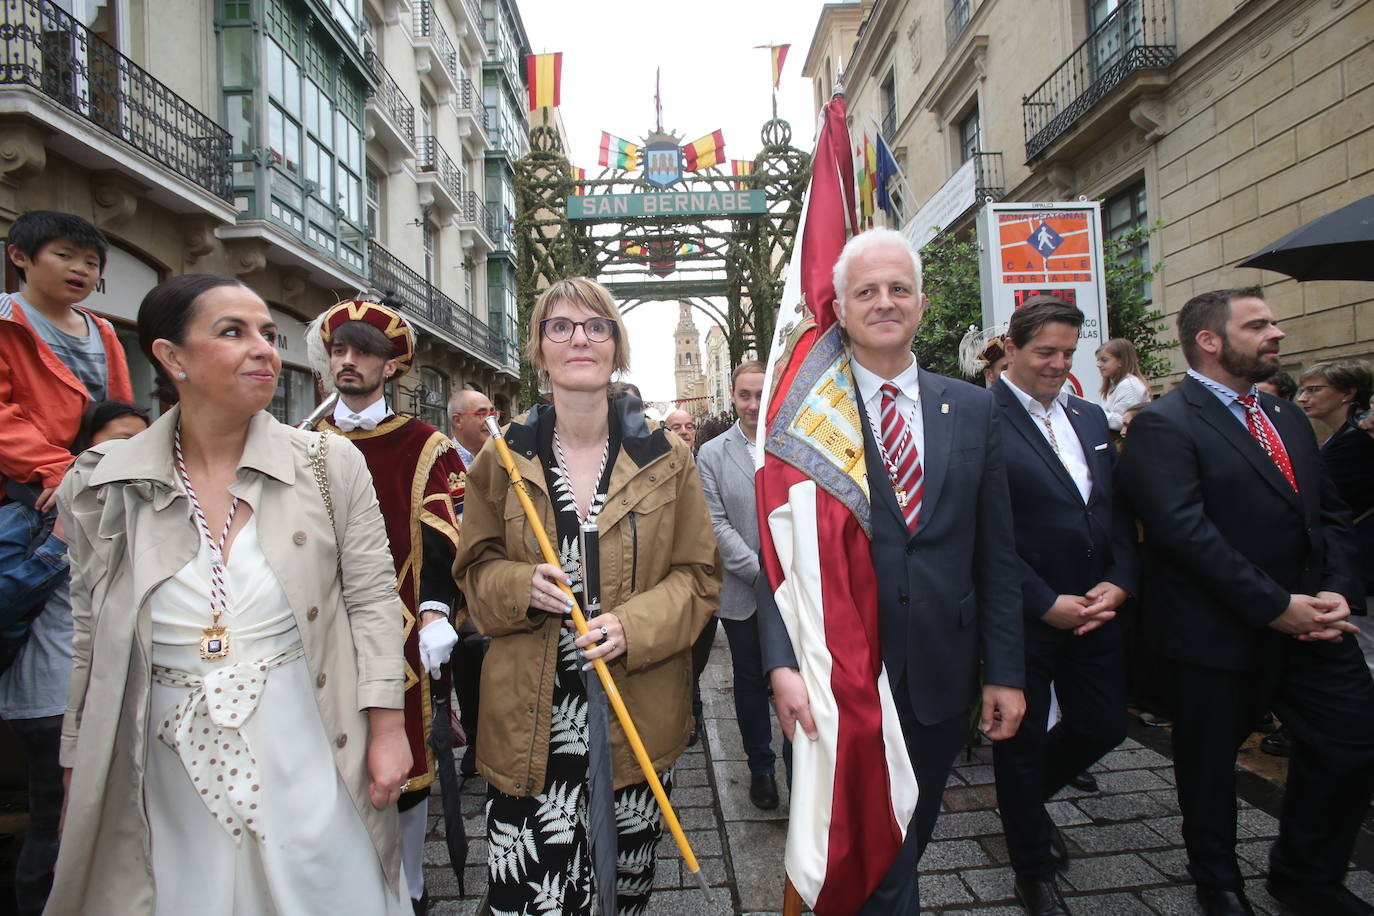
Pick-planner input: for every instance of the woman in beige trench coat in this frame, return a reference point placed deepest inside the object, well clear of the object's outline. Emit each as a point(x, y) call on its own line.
point(138, 515)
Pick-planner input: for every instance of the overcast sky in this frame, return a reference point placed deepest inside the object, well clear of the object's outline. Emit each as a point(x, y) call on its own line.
point(712, 79)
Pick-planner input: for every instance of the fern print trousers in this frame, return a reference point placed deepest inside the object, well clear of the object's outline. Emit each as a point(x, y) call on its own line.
point(538, 853)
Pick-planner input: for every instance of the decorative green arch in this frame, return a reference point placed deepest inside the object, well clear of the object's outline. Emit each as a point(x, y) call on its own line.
point(740, 260)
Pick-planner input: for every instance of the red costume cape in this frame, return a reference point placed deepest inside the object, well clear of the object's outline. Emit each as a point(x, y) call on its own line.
point(418, 478)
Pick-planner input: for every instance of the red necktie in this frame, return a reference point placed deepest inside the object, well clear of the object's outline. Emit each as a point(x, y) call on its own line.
point(1265, 435)
point(900, 457)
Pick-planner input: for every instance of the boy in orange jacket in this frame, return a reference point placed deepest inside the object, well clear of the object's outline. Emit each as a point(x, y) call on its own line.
point(55, 358)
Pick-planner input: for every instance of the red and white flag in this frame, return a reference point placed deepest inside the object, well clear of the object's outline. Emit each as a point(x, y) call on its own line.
point(854, 789)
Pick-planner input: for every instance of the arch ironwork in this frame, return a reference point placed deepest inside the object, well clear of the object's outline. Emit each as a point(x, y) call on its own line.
point(730, 269)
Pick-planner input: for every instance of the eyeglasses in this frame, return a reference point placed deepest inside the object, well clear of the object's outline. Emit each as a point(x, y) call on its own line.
point(484, 412)
point(560, 330)
point(1312, 389)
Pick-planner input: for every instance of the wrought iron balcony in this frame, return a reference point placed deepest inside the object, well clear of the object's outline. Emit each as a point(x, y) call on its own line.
point(396, 121)
point(472, 118)
point(44, 48)
point(989, 182)
point(476, 221)
point(434, 51)
point(1137, 35)
point(435, 168)
point(956, 20)
point(390, 276)
point(890, 126)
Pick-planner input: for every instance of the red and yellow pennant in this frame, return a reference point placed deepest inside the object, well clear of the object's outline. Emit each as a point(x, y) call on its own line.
point(868, 179)
point(779, 54)
point(706, 152)
point(741, 167)
point(545, 73)
point(579, 176)
point(621, 154)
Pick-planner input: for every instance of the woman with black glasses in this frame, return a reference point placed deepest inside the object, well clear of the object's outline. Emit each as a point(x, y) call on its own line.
point(543, 733)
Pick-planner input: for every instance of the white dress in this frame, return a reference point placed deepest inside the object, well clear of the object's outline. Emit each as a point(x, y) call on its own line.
point(1127, 393)
point(301, 846)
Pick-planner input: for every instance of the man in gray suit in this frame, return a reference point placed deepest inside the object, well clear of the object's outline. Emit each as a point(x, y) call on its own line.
point(726, 464)
point(948, 583)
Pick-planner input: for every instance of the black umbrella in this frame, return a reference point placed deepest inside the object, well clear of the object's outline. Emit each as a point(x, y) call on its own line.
point(1337, 246)
point(441, 741)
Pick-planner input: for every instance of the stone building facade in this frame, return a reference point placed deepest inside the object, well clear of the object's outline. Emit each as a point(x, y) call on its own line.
point(1229, 124)
point(311, 149)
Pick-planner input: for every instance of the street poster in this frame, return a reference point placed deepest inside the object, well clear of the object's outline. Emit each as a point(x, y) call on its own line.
point(1030, 249)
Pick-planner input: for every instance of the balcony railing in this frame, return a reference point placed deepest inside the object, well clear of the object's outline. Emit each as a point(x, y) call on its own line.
point(989, 182)
point(890, 126)
point(427, 26)
point(475, 212)
point(392, 100)
point(391, 277)
point(956, 20)
point(433, 160)
point(1137, 35)
point(43, 47)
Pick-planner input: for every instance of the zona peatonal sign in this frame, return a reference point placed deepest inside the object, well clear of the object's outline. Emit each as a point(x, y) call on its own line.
point(668, 203)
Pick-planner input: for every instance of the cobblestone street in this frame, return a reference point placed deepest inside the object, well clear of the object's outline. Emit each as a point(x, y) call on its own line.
point(1124, 840)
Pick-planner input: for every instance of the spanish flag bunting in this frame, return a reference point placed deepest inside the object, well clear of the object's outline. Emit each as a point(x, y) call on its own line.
point(706, 152)
point(741, 167)
point(779, 54)
point(632, 249)
point(546, 79)
point(621, 154)
point(579, 176)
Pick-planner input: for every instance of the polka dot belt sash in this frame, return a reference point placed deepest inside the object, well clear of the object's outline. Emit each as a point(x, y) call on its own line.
point(204, 731)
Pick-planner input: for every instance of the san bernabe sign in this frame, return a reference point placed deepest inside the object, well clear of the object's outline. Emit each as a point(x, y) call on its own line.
point(668, 203)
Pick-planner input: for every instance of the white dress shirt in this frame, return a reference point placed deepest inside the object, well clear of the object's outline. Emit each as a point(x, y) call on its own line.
point(368, 418)
point(908, 402)
point(1064, 442)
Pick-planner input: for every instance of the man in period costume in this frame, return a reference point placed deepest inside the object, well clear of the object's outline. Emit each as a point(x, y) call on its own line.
point(418, 480)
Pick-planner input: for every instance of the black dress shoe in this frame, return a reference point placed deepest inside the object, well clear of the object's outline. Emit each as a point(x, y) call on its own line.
point(1280, 743)
point(1084, 782)
point(420, 906)
point(1317, 899)
point(1040, 896)
point(1059, 850)
point(1217, 902)
point(763, 791)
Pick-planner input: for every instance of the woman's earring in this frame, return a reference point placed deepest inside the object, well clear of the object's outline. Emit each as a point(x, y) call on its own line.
point(181, 376)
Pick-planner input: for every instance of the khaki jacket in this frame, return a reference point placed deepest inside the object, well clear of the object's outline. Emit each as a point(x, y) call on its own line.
point(130, 528)
point(660, 574)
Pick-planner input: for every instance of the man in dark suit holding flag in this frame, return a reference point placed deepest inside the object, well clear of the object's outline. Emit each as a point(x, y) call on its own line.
point(897, 474)
point(1249, 576)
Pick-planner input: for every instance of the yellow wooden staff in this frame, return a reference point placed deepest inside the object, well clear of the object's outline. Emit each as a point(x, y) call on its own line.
point(607, 683)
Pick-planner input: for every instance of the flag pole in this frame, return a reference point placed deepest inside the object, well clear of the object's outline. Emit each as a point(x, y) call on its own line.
point(791, 900)
point(607, 682)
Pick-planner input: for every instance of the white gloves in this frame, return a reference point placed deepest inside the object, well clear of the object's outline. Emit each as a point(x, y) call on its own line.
point(437, 640)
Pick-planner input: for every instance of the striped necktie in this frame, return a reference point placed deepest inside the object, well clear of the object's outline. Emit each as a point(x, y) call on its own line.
point(899, 456)
point(1265, 435)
